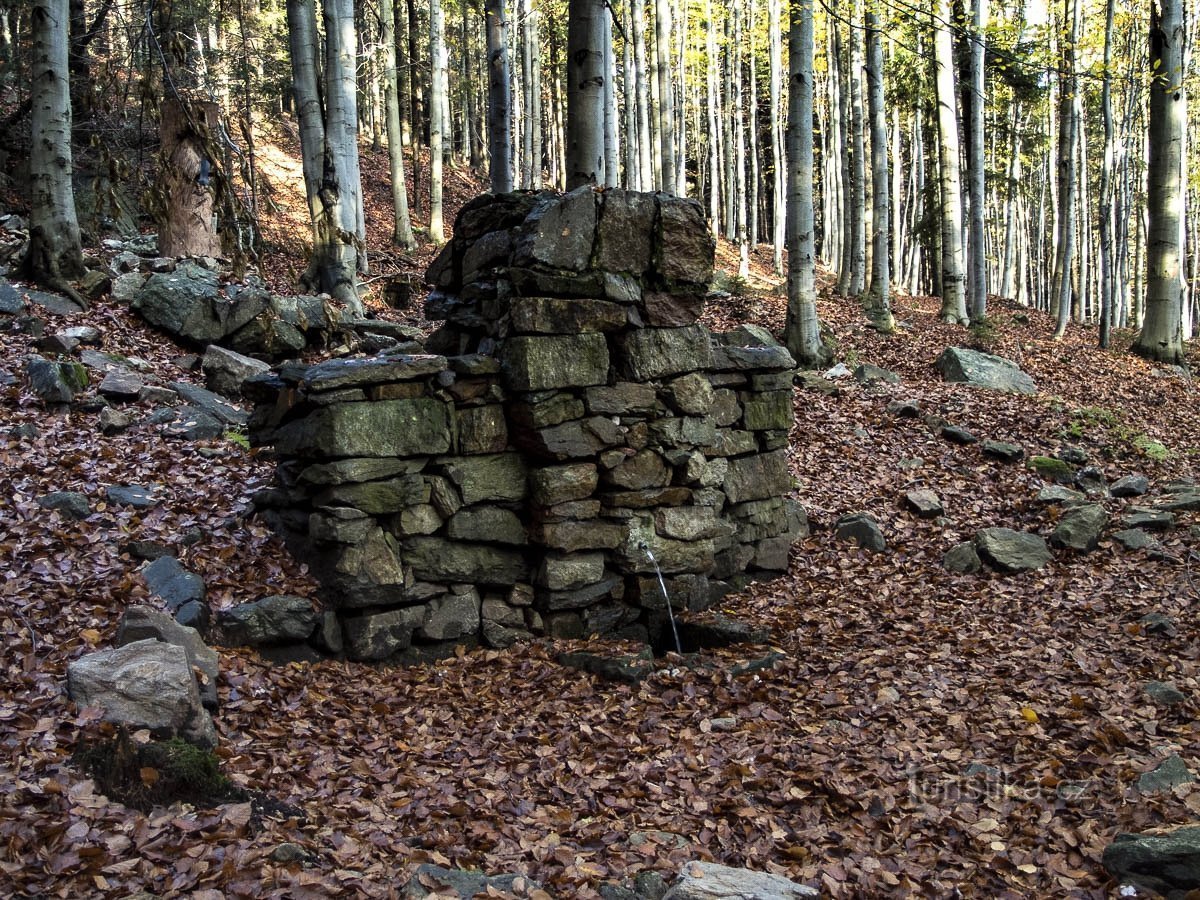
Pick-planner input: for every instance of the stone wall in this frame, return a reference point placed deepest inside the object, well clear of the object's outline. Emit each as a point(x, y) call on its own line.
point(570, 424)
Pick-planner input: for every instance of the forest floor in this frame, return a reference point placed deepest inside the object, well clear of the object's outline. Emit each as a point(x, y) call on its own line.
point(924, 733)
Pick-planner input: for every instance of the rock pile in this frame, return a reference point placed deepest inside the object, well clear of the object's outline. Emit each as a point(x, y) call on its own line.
point(571, 425)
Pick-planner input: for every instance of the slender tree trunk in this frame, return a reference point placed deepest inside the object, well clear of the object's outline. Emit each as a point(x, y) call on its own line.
point(858, 159)
point(878, 300)
point(666, 95)
point(977, 243)
point(402, 233)
point(778, 192)
point(954, 302)
point(585, 93)
point(642, 94)
point(499, 99)
point(714, 121)
point(1067, 182)
point(610, 103)
point(1161, 334)
point(752, 130)
point(437, 123)
point(633, 175)
point(55, 251)
point(739, 183)
point(802, 330)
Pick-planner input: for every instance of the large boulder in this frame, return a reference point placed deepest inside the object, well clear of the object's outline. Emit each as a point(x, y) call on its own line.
point(1167, 863)
point(277, 619)
point(1011, 551)
point(983, 370)
point(56, 382)
point(145, 684)
point(225, 370)
point(143, 622)
point(710, 881)
point(186, 303)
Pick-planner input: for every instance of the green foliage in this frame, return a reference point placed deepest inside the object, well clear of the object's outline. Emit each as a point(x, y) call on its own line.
point(156, 773)
point(1151, 448)
point(235, 436)
point(1051, 468)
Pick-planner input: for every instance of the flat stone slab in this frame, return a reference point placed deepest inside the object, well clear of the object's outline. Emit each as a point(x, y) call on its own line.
point(1012, 551)
point(710, 881)
point(984, 370)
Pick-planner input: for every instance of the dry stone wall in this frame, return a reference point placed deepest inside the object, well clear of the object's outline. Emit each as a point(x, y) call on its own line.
point(571, 425)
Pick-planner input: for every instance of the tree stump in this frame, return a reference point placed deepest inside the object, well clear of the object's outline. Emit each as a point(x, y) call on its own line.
point(188, 227)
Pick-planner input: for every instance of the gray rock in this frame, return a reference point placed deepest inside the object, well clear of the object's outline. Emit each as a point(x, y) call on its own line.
point(768, 411)
point(55, 304)
point(1168, 774)
point(336, 374)
point(125, 288)
point(1164, 693)
point(188, 423)
point(385, 428)
point(114, 421)
point(353, 471)
point(1056, 493)
point(1166, 863)
point(225, 371)
point(650, 353)
point(452, 616)
point(1075, 456)
point(571, 571)
point(55, 382)
point(131, 495)
point(685, 246)
point(463, 884)
point(963, 558)
point(121, 386)
point(1148, 519)
point(212, 404)
point(71, 504)
point(1002, 450)
point(1092, 482)
point(1011, 551)
point(1080, 527)
point(1158, 624)
point(437, 559)
point(376, 636)
point(869, 374)
point(710, 881)
point(501, 476)
point(983, 370)
point(186, 303)
point(486, 523)
point(140, 623)
point(626, 669)
point(1187, 500)
point(757, 477)
point(624, 234)
point(560, 315)
point(81, 334)
point(555, 361)
point(1135, 539)
point(957, 435)
point(172, 583)
point(1130, 486)
point(861, 528)
point(11, 303)
point(145, 684)
point(278, 619)
point(925, 503)
point(558, 233)
point(904, 409)
point(552, 485)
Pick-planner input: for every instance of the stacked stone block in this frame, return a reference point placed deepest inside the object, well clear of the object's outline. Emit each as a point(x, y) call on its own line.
point(573, 426)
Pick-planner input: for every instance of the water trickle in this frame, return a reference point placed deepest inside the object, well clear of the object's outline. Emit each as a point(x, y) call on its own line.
point(666, 597)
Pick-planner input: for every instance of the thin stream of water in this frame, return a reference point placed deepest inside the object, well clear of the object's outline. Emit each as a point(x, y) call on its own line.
point(666, 598)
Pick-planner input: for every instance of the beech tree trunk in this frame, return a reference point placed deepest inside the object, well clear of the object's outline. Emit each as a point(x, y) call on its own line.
point(1068, 123)
point(55, 250)
point(878, 301)
point(499, 99)
point(954, 301)
point(858, 160)
point(188, 228)
point(778, 195)
point(802, 330)
point(666, 97)
point(1161, 335)
point(585, 93)
point(437, 122)
point(976, 244)
point(402, 233)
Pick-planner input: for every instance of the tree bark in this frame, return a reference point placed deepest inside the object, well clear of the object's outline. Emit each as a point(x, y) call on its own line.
point(499, 99)
point(187, 228)
point(666, 97)
point(1068, 123)
point(1161, 335)
point(802, 329)
point(878, 303)
point(976, 244)
point(437, 123)
point(954, 304)
point(778, 194)
point(55, 252)
point(585, 93)
point(402, 233)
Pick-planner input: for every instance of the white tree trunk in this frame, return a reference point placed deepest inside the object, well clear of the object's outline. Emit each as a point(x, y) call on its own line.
point(642, 94)
point(666, 95)
point(878, 294)
point(402, 233)
point(55, 251)
point(1161, 334)
point(954, 301)
point(585, 93)
point(802, 330)
point(437, 123)
point(858, 159)
point(778, 194)
point(976, 245)
point(499, 98)
point(1068, 123)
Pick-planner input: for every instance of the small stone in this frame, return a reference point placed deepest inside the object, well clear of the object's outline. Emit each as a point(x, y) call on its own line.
point(862, 528)
point(1012, 551)
point(1080, 527)
point(1148, 519)
point(113, 421)
point(709, 881)
point(869, 374)
point(1164, 693)
point(1158, 624)
point(1056, 493)
point(904, 409)
point(1092, 482)
point(1130, 486)
point(71, 504)
point(288, 852)
point(963, 559)
point(1135, 539)
point(121, 386)
point(956, 435)
point(925, 503)
point(1003, 451)
point(1168, 774)
point(131, 495)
